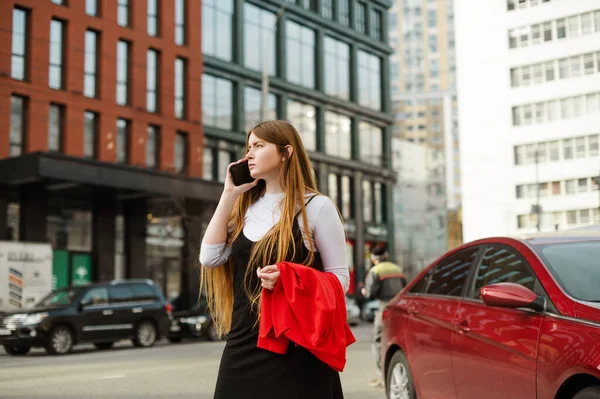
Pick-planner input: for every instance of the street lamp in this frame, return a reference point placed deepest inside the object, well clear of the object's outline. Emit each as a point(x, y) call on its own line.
point(265, 74)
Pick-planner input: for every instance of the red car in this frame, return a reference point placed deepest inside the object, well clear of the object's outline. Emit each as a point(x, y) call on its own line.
point(499, 318)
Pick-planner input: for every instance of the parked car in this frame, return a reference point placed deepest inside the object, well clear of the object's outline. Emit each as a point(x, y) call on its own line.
point(352, 311)
point(499, 318)
point(369, 310)
point(99, 313)
point(192, 322)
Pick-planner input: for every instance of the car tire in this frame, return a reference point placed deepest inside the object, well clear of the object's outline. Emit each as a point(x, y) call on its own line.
point(60, 341)
point(399, 382)
point(145, 334)
point(588, 393)
point(16, 350)
point(104, 345)
point(175, 340)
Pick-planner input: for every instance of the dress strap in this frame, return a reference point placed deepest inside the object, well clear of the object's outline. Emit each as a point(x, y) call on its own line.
point(307, 202)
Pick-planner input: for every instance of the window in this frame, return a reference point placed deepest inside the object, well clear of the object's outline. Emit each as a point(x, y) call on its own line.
point(122, 72)
point(300, 54)
point(18, 116)
point(152, 76)
point(588, 63)
point(501, 264)
point(344, 11)
point(582, 185)
point(586, 23)
point(556, 188)
point(571, 217)
point(91, 7)
point(347, 194)
point(378, 195)
point(361, 17)
point(592, 101)
point(568, 149)
point(369, 80)
point(570, 186)
point(327, 9)
point(208, 161)
point(181, 152)
point(549, 66)
point(217, 102)
point(431, 18)
point(536, 34)
point(547, 31)
point(55, 74)
point(90, 134)
point(180, 13)
point(421, 285)
point(573, 26)
point(553, 150)
point(575, 66)
point(376, 24)
point(337, 68)
point(337, 135)
point(450, 275)
point(152, 146)
point(90, 84)
point(561, 29)
point(332, 182)
point(59, 2)
point(153, 22)
point(19, 64)
point(180, 83)
point(303, 117)
point(259, 38)
point(584, 216)
point(120, 293)
point(252, 107)
point(123, 12)
point(144, 292)
point(367, 198)
point(217, 28)
point(55, 128)
point(593, 143)
point(371, 144)
point(217, 155)
point(95, 296)
point(122, 141)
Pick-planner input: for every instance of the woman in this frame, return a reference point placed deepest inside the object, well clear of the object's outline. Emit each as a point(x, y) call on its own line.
point(279, 217)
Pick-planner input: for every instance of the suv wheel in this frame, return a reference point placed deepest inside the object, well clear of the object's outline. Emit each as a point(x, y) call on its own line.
point(588, 393)
point(145, 334)
point(399, 383)
point(103, 345)
point(16, 350)
point(60, 341)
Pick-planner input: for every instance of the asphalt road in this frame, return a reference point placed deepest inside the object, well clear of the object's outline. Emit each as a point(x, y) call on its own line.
point(185, 370)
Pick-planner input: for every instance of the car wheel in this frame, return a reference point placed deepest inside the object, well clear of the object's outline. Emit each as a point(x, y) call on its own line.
point(145, 334)
point(103, 345)
point(16, 350)
point(588, 393)
point(60, 341)
point(175, 340)
point(399, 382)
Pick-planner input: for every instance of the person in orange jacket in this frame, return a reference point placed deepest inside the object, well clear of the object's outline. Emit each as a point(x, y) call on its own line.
point(278, 217)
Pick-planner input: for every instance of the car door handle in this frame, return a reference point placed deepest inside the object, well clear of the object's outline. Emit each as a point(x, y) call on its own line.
point(107, 312)
point(464, 327)
point(412, 310)
point(137, 310)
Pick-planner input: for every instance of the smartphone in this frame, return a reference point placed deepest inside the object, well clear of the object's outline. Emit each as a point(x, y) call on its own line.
point(240, 173)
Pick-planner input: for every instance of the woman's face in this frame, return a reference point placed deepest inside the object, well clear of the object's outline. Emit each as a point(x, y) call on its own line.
point(263, 159)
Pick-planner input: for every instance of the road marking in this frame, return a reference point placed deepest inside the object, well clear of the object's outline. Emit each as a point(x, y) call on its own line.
point(43, 384)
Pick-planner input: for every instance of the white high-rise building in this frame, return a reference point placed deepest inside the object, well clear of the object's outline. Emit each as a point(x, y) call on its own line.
point(528, 79)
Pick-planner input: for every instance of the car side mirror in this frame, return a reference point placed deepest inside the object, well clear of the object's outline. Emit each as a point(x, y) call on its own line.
point(511, 295)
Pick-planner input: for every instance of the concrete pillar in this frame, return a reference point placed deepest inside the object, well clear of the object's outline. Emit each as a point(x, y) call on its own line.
point(135, 219)
point(33, 213)
point(104, 212)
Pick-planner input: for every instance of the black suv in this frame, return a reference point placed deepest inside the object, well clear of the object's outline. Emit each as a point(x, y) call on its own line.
point(100, 313)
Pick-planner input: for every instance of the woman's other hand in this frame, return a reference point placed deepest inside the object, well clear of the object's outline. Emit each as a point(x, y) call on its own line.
point(268, 276)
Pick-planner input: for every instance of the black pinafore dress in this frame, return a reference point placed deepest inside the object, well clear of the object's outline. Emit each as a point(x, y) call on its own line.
point(247, 371)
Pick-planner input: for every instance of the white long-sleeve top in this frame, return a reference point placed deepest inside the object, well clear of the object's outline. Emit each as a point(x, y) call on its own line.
point(323, 221)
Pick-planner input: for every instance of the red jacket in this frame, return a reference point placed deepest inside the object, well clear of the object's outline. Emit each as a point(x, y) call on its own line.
point(307, 307)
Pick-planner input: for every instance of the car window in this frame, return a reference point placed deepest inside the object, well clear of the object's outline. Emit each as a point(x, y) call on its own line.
point(144, 292)
point(502, 264)
point(95, 296)
point(421, 285)
point(120, 293)
point(450, 275)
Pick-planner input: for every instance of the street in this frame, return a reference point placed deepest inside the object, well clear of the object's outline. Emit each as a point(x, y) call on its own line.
point(186, 370)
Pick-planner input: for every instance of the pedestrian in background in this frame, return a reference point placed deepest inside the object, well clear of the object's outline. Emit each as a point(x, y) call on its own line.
point(280, 216)
point(383, 282)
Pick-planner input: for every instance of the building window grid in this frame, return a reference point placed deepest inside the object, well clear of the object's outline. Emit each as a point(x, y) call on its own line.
point(512, 5)
point(180, 31)
point(123, 68)
point(337, 135)
point(181, 152)
point(217, 102)
point(152, 78)
point(327, 9)
point(558, 150)
point(361, 17)
point(56, 127)
point(217, 28)
point(571, 218)
point(122, 140)
point(20, 43)
point(369, 80)
point(371, 144)
point(563, 68)
point(259, 36)
point(376, 24)
point(301, 50)
point(90, 134)
point(252, 107)
point(57, 46)
point(92, 7)
point(123, 13)
point(153, 24)
point(18, 117)
point(560, 109)
point(303, 118)
point(344, 12)
point(574, 26)
point(152, 146)
point(337, 61)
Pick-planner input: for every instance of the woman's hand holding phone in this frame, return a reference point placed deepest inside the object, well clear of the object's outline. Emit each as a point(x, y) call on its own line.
point(230, 186)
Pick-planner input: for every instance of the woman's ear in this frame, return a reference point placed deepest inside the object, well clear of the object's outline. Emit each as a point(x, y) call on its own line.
point(290, 150)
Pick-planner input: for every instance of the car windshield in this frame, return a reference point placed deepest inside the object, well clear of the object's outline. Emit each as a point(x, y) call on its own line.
point(576, 265)
point(59, 297)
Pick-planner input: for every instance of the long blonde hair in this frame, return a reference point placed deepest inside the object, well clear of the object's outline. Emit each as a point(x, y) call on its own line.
point(297, 181)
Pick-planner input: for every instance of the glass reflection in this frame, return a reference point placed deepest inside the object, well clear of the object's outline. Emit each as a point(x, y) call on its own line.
point(303, 117)
point(217, 102)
